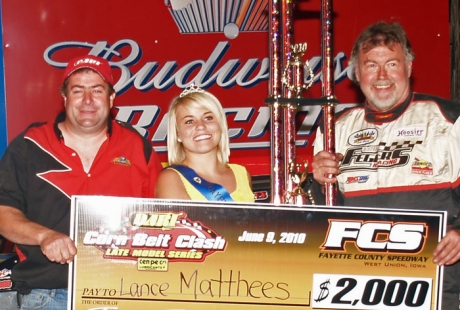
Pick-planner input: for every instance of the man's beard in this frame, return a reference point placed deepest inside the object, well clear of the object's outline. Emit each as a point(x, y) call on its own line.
point(383, 104)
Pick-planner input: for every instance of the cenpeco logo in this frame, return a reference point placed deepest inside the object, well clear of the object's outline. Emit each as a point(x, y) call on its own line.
point(376, 236)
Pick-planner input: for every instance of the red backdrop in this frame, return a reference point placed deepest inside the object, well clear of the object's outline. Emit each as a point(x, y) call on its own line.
point(142, 39)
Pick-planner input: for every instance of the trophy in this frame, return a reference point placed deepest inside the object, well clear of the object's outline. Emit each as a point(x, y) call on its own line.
point(297, 67)
point(298, 173)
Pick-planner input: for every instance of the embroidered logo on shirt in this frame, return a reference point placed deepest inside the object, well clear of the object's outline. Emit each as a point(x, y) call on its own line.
point(358, 179)
point(383, 156)
point(363, 136)
point(410, 132)
point(121, 161)
point(420, 166)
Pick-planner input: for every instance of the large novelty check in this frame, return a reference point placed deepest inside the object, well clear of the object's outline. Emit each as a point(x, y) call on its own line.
point(157, 254)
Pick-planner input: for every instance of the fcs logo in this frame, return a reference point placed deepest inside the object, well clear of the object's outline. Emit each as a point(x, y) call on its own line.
point(376, 236)
point(230, 17)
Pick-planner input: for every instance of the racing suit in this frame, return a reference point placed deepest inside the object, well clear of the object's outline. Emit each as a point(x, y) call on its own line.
point(406, 158)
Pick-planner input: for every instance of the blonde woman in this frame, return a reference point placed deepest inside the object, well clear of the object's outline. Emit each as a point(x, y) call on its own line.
point(198, 153)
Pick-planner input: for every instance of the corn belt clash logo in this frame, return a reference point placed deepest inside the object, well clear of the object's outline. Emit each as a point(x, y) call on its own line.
point(156, 238)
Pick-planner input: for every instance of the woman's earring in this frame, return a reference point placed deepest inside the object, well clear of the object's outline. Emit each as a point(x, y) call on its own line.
point(179, 140)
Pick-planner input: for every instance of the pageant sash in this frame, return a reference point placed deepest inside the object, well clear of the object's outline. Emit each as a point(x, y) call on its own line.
point(211, 191)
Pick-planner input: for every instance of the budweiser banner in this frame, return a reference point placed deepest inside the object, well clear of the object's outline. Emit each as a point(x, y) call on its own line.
point(159, 254)
point(158, 47)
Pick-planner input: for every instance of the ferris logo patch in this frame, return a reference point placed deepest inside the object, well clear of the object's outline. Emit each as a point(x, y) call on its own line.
point(420, 166)
point(121, 161)
point(382, 156)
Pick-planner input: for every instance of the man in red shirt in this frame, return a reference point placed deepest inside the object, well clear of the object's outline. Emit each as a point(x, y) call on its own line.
point(84, 152)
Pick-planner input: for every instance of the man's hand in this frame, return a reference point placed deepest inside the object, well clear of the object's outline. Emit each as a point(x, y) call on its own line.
point(14, 225)
point(58, 247)
point(447, 252)
point(325, 167)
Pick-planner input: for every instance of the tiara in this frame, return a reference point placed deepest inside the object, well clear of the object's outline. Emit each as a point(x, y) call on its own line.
point(191, 89)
